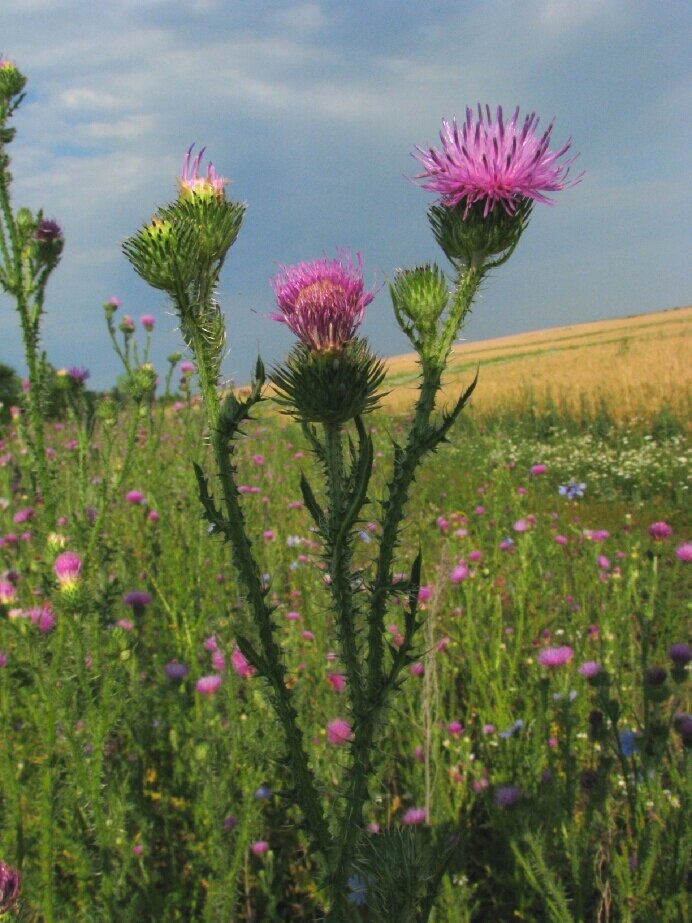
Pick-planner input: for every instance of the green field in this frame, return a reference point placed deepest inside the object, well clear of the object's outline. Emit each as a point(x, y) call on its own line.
point(129, 795)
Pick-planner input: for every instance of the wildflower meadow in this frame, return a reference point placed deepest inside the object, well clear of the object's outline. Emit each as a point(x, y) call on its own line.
point(281, 653)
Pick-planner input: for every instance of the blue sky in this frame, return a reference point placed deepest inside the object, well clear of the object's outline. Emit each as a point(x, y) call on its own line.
point(313, 109)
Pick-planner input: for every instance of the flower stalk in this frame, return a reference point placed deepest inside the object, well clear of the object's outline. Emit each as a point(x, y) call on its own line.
point(30, 249)
point(488, 176)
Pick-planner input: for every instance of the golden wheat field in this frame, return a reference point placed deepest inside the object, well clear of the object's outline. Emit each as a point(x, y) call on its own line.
point(634, 364)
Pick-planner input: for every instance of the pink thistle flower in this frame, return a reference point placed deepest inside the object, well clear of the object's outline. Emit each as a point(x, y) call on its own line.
point(323, 301)
point(44, 618)
point(538, 469)
point(259, 847)
point(147, 321)
point(339, 732)
point(590, 668)
point(337, 681)
point(208, 685)
point(23, 515)
point(241, 665)
point(659, 531)
point(415, 816)
point(554, 657)
point(218, 661)
point(417, 669)
point(7, 592)
point(459, 573)
point(135, 497)
point(493, 162)
point(684, 552)
point(68, 567)
point(10, 880)
point(455, 728)
point(191, 184)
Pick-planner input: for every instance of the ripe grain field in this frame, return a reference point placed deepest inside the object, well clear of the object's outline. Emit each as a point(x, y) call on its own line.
point(634, 365)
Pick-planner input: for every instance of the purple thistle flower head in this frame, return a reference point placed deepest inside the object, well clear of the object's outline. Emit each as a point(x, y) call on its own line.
point(493, 162)
point(191, 184)
point(68, 567)
point(323, 301)
point(506, 796)
point(138, 599)
point(176, 671)
point(78, 375)
point(680, 654)
point(554, 657)
point(659, 531)
point(10, 880)
point(47, 231)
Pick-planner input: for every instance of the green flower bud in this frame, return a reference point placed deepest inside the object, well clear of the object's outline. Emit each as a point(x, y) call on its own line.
point(107, 412)
point(329, 387)
point(153, 252)
point(207, 223)
point(478, 239)
point(12, 81)
point(419, 297)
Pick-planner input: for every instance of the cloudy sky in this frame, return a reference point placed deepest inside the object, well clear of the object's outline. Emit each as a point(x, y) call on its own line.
point(313, 108)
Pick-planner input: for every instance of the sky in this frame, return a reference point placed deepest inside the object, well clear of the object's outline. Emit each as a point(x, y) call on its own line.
point(313, 110)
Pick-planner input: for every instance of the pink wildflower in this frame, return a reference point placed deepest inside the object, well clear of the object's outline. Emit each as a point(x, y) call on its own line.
point(554, 657)
point(459, 573)
point(684, 552)
point(68, 567)
point(337, 681)
point(208, 685)
point(415, 816)
point(135, 497)
point(259, 847)
point(323, 301)
point(339, 732)
point(493, 162)
point(191, 184)
point(147, 321)
point(659, 531)
point(241, 665)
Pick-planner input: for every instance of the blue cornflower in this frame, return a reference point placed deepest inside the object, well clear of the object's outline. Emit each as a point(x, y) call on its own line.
point(263, 793)
point(511, 731)
point(628, 742)
point(572, 490)
point(358, 890)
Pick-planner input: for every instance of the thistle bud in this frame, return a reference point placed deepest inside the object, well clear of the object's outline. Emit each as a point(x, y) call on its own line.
point(107, 412)
point(68, 569)
point(12, 81)
point(329, 386)
point(469, 237)
point(419, 297)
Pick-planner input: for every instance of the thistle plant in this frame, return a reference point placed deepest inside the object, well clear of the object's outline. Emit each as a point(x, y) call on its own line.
point(30, 249)
point(488, 174)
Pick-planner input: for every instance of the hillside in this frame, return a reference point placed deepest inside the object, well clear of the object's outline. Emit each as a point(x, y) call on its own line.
point(634, 364)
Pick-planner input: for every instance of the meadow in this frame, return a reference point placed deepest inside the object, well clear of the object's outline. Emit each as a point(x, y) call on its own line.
point(315, 649)
point(543, 727)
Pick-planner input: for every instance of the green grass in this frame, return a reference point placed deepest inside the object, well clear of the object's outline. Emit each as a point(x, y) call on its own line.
point(127, 796)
